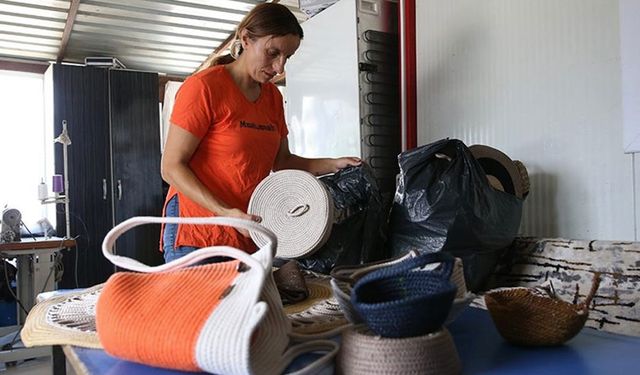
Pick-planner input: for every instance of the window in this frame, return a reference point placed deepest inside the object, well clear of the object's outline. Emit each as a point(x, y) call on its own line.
point(26, 146)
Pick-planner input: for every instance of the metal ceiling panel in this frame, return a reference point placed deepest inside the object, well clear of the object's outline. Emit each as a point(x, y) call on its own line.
point(119, 33)
point(167, 36)
point(23, 54)
point(150, 27)
point(31, 21)
point(174, 8)
point(40, 9)
point(172, 37)
point(29, 47)
point(36, 40)
point(61, 4)
point(156, 18)
point(97, 41)
point(30, 31)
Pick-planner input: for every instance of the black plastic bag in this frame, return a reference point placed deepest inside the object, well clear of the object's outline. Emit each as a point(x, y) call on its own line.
point(444, 202)
point(359, 230)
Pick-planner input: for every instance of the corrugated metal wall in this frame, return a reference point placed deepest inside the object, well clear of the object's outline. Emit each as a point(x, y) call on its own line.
point(539, 80)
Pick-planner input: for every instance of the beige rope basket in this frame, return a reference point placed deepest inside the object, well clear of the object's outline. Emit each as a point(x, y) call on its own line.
point(524, 316)
point(362, 352)
point(67, 319)
point(317, 315)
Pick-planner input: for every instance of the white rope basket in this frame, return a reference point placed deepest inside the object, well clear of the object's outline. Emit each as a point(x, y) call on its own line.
point(295, 206)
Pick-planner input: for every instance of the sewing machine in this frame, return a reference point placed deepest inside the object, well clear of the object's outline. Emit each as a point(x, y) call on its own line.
point(35, 258)
point(10, 225)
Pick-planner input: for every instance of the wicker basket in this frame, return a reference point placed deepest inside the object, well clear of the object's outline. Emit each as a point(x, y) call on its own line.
point(524, 316)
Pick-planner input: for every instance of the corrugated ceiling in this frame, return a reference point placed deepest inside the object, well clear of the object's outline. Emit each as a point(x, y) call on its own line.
point(167, 36)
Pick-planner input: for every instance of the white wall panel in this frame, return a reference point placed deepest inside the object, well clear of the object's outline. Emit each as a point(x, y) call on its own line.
point(323, 101)
point(636, 196)
point(539, 80)
point(630, 66)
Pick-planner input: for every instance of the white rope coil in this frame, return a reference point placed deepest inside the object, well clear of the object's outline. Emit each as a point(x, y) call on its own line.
point(295, 206)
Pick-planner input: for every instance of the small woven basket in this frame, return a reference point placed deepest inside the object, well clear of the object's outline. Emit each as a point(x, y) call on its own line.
point(400, 301)
point(524, 316)
point(343, 278)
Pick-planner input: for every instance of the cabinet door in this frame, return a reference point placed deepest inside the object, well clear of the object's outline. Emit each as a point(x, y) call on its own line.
point(80, 97)
point(135, 147)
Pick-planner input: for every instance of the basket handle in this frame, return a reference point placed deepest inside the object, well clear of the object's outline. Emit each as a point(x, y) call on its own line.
point(444, 270)
point(351, 274)
point(595, 284)
point(262, 258)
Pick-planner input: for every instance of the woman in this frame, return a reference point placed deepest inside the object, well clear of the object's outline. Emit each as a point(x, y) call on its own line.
point(228, 132)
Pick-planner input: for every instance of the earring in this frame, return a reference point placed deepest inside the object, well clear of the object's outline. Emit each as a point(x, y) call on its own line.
point(236, 48)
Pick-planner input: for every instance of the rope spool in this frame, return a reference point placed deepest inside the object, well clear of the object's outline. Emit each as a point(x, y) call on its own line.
point(295, 206)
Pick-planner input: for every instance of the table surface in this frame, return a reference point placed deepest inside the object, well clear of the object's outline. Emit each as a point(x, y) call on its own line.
point(39, 243)
point(482, 351)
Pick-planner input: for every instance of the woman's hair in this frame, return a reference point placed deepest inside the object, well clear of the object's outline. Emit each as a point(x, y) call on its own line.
point(268, 19)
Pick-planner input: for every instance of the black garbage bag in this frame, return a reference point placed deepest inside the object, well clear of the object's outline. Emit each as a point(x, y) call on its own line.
point(360, 221)
point(444, 202)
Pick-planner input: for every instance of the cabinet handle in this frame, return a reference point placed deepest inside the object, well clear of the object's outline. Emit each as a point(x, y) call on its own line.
point(104, 189)
point(119, 190)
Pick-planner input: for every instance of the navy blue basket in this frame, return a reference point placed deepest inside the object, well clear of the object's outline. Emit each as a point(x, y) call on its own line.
point(404, 300)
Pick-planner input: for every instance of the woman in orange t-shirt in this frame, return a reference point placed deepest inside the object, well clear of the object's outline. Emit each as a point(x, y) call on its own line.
point(228, 132)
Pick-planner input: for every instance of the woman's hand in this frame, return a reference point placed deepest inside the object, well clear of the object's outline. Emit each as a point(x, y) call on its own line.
point(349, 161)
point(234, 212)
point(318, 167)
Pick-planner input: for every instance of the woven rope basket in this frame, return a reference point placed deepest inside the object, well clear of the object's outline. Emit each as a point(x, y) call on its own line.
point(68, 319)
point(403, 301)
point(343, 278)
point(525, 317)
point(364, 353)
point(295, 206)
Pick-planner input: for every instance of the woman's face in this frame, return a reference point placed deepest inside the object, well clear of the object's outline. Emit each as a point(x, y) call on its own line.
point(266, 56)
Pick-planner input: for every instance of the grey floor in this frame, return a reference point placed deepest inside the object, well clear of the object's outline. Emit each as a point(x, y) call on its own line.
point(33, 366)
point(39, 366)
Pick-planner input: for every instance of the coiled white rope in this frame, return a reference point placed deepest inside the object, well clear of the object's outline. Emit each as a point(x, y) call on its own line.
point(297, 207)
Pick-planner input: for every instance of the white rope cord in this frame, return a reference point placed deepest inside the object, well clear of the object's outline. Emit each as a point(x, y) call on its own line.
point(295, 206)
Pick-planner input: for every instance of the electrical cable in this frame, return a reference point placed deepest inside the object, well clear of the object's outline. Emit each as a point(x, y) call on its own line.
point(86, 231)
point(13, 294)
point(27, 228)
point(77, 252)
point(6, 278)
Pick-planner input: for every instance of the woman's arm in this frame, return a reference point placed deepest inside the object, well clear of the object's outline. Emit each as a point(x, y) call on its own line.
point(286, 160)
point(178, 149)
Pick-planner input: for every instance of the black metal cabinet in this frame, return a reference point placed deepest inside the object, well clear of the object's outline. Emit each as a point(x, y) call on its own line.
point(114, 164)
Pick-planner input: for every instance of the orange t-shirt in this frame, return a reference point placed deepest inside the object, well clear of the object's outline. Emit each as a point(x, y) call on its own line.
point(239, 141)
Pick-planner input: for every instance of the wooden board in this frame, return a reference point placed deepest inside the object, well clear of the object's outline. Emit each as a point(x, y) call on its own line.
point(40, 243)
